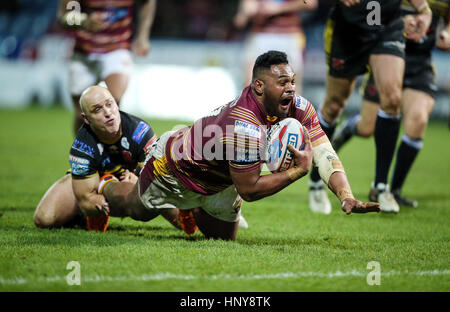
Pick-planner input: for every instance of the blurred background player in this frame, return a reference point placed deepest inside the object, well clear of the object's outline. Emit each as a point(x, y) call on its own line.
point(419, 91)
point(109, 142)
point(214, 185)
point(103, 40)
point(355, 40)
point(275, 25)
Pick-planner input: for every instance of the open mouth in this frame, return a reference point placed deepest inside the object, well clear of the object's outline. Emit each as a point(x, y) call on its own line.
point(110, 122)
point(285, 102)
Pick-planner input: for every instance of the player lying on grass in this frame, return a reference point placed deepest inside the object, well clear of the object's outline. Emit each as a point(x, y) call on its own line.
point(211, 166)
point(110, 141)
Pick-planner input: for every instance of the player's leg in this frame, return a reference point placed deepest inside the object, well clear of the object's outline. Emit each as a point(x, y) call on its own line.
point(82, 74)
point(337, 94)
point(362, 124)
point(417, 106)
point(115, 71)
point(117, 84)
point(388, 73)
point(58, 206)
point(77, 119)
point(214, 228)
point(123, 201)
point(219, 214)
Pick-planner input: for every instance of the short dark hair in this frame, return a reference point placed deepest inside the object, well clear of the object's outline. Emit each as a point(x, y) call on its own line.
point(266, 60)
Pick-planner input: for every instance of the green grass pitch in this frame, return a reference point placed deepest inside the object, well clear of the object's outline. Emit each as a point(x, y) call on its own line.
point(286, 248)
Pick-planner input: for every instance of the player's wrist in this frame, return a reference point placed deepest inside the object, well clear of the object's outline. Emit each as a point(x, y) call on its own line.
point(296, 173)
point(105, 180)
point(344, 194)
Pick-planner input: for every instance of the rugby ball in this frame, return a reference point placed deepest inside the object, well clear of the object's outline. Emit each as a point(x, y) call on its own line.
point(287, 131)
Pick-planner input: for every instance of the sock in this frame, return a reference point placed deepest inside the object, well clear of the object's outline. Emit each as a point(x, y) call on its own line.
point(352, 123)
point(347, 132)
point(406, 154)
point(328, 128)
point(386, 133)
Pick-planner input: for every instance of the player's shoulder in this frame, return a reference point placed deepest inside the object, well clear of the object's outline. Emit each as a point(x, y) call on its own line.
point(134, 127)
point(247, 110)
point(301, 103)
point(85, 143)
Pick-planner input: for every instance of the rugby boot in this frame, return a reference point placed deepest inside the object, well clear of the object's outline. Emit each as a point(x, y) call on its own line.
point(318, 198)
point(403, 201)
point(187, 221)
point(100, 223)
point(384, 196)
point(242, 223)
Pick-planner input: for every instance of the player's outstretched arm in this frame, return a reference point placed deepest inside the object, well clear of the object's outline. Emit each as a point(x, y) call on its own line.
point(252, 186)
point(333, 174)
point(339, 185)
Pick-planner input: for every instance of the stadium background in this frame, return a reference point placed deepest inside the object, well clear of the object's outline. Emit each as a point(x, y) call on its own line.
point(195, 64)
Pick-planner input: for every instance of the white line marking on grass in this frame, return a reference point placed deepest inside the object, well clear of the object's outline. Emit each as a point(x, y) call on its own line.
point(168, 276)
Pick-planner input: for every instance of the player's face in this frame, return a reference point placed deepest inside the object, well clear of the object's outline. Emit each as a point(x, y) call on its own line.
point(103, 115)
point(279, 90)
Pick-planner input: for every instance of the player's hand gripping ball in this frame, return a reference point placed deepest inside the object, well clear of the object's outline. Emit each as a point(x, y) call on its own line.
point(277, 155)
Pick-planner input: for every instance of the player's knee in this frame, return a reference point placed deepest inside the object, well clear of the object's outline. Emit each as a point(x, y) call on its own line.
point(391, 101)
point(333, 109)
point(44, 220)
point(365, 132)
point(416, 124)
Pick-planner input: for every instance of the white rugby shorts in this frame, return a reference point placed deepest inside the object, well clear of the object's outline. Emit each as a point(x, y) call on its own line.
point(89, 69)
point(292, 44)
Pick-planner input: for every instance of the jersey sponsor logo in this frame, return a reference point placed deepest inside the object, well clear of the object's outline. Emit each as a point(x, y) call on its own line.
point(140, 132)
point(78, 160)
point(245, 155)
point(125, 143)
point(300, 102)
point(79, 166)
point(116, 14)
point(83, 148)
point(337, 63)
point(246, 129)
